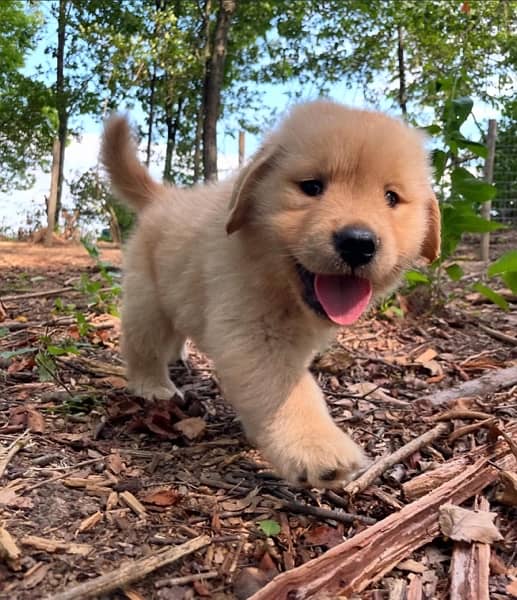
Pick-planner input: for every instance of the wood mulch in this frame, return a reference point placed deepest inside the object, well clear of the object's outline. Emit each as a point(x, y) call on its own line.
point(102, 496)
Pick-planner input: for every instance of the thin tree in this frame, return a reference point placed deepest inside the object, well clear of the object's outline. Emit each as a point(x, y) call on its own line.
point(58, 150)
point(212, 87)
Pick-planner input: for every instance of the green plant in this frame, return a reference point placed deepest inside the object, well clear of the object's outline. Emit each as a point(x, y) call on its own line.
point(461, 194)
point(103, 294)
point(46, 357)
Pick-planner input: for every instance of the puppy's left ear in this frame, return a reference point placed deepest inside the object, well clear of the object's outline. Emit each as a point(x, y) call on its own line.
point(242, 194)
point(432, 240)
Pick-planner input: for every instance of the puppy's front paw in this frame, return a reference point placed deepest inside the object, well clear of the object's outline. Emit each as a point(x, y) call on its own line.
point(151, 390)
point(325, 457)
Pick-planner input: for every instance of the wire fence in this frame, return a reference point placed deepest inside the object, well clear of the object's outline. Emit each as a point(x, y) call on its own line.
point(504, 205)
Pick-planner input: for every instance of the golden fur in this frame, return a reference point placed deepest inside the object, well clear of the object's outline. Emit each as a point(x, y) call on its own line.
point(216, 263)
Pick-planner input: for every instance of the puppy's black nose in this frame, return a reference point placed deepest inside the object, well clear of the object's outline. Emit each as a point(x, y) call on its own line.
point(355, 245)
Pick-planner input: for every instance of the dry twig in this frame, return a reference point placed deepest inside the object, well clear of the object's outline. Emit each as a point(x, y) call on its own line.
point(498, 335)
point(371, 474)
point(131, 572)
point(12, 450)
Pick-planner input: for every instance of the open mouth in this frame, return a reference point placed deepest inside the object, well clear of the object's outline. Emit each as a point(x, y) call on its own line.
point(339, 298)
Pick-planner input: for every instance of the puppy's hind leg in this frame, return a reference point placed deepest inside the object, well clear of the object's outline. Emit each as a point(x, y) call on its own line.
point(148, 342)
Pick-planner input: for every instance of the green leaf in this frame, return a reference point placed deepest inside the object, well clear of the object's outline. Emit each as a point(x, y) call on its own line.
point(476, 148)
point(456, 112)
point(3, 332)
point(432, 129)
point(455, 272)
point(507, 262)
point(416, 277)
point(439, 160)
point(491, 295)
point(472, 224)
point(470, 187)
point(269, 527)
point(510, 280)
point(8, 354)
point(62, 350)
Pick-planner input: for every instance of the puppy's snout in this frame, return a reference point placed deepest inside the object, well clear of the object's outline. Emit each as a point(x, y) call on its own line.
point(355, 245)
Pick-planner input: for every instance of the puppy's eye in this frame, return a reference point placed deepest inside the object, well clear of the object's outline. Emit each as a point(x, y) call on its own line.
point(392, 198)
point(312, 187)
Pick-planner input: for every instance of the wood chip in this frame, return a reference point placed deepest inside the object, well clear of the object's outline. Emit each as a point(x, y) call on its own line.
point(8, 548)
point(89, 522)
point(112, 501)
point(192, 428)
point(54, 545)
point(412, 566)
point(135, 505)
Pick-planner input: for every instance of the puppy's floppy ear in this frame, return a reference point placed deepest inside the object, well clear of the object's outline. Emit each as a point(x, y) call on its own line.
point(243, 189)
point(432, 240)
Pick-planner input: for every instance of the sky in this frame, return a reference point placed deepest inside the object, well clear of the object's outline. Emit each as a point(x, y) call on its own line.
point(82, 152)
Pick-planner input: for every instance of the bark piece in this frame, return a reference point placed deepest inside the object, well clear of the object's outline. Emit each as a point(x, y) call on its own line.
point(366, 557)
point(470, 568)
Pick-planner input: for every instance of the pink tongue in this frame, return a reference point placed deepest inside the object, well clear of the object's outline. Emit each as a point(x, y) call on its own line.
point(343, 297)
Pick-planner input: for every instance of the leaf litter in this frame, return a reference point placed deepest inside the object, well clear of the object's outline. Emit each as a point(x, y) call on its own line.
point(103, 471)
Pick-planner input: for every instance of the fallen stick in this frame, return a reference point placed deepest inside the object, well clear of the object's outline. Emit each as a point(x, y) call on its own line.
point(470, 568)
point(498, 335)
point(12, 450)
point(170, 581)
point(461, 431)
point(325, 513)
point(53, 292)
point(379, 467)
point(486, 384)
point(353, 565)
point(430, 480)
point(130, 573)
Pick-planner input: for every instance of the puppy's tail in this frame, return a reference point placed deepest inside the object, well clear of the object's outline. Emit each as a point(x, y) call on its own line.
point(130, 179)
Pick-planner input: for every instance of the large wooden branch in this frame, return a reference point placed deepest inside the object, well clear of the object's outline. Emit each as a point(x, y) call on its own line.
point(363, 559)
point(486, 384)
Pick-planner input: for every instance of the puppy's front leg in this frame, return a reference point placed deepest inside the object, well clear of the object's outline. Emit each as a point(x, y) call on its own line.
point(291, 425)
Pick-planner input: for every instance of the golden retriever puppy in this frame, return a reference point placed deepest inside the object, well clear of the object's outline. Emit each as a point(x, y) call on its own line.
point(261, 270)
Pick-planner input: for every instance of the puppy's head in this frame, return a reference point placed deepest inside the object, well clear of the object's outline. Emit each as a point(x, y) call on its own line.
point(344, 198)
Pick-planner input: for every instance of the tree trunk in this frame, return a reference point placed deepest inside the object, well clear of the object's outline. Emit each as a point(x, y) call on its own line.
point(172, 121)
point(402, 71)
point(150, 117)
point(58, 149)
point(52, 199)
point(116, 236)
point(198, 144)
point(213, 85)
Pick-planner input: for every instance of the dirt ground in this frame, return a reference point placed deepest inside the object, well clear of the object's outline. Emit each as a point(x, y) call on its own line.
point(91, 479)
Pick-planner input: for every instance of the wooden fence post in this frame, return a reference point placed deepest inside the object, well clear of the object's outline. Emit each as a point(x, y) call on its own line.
point(241, 147)
point(488, 174)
